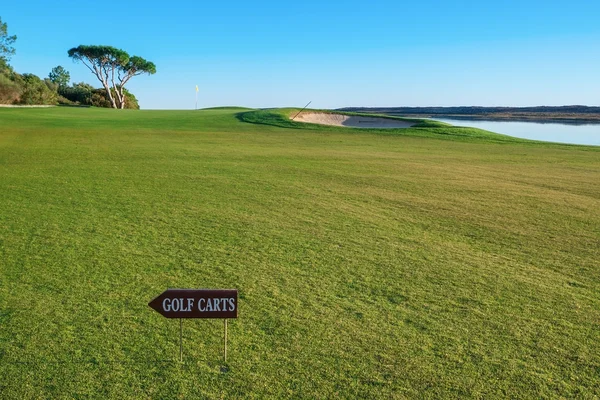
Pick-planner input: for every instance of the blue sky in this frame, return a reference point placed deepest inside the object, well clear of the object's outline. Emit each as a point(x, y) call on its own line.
point(336, 53)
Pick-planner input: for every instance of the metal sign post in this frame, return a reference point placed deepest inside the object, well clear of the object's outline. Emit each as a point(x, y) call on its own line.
point(225, 343)
point(180, 339)
point(197, 303)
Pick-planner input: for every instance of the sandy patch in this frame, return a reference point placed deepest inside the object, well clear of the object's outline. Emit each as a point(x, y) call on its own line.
point(351, 121)
point(25, 106)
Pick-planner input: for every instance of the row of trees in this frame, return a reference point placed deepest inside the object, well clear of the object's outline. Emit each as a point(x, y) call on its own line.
point(112, 67)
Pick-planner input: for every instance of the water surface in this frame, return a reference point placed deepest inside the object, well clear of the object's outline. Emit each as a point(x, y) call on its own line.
point(547, 131)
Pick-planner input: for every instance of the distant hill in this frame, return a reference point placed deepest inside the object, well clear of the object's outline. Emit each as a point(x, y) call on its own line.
point(540, 113)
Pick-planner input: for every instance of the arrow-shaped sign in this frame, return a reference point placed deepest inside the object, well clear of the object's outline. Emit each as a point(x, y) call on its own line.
point(197, 303)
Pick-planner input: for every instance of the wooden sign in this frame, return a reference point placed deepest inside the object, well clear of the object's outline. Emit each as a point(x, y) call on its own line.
point(197, 303)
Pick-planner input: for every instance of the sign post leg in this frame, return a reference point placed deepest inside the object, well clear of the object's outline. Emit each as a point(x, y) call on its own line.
point(181, 339)
point(225, 342)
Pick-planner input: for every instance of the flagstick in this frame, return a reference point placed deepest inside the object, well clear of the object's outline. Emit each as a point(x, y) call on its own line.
point(301, 110)
point(196, 99)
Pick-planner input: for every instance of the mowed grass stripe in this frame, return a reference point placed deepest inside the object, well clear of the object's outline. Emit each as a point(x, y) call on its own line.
point(369, 264)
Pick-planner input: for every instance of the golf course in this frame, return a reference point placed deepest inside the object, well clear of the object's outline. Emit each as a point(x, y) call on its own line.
point(427, 261)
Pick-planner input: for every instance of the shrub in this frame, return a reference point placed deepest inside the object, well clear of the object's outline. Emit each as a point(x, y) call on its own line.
point(37, 91)
point(84, 94)
point(78, 93)
point(9, 90)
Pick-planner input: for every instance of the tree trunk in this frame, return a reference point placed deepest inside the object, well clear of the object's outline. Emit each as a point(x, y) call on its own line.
point(110, 97)
point(104, 82)
point(116, 104)
point(113, 103)
point(119, 97)
point(122, 97)
point(109, 94)
point(98, 69)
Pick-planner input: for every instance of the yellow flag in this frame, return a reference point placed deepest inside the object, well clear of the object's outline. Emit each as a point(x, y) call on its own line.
point(196, 88)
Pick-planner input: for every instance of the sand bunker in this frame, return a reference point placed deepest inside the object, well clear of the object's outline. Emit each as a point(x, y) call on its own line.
point(351, 121)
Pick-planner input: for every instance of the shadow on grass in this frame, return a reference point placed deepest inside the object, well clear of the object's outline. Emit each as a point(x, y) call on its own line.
point(268, 117)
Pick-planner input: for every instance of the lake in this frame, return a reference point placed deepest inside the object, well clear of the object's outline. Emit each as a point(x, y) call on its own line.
point(547, 131)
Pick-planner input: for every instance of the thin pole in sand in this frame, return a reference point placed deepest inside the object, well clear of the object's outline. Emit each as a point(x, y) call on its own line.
point(301, 110)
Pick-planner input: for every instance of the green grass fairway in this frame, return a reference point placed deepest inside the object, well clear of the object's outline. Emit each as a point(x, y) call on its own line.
point(431, 262)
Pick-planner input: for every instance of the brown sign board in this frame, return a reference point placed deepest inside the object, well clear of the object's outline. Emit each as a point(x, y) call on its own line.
point(197, 303)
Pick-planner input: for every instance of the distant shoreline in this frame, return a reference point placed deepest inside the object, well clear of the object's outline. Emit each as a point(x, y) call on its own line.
point(546, 119)
point(563, 114)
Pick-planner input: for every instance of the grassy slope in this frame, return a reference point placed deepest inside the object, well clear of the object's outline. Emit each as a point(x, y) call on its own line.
point(427, 128)
point(369, 264)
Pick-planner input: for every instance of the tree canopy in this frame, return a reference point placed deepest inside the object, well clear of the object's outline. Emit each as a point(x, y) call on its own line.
point(60, 76)
point(113, 67)
point(6, 42)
